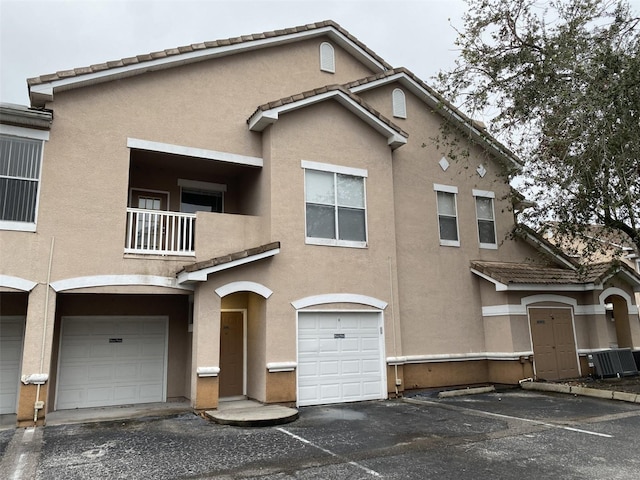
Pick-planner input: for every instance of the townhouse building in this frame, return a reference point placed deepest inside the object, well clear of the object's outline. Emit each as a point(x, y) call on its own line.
point(268, 216)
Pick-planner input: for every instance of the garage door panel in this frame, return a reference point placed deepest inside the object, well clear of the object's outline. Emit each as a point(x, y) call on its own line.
point(350, 345)
point(329, 368)
point(100, 372)
point(329, 345)
point(125, 394)
point(350, 367)
point(155, 349)
point(330, 392)
point(107, 361)
point(150, 391)
point(370, 366)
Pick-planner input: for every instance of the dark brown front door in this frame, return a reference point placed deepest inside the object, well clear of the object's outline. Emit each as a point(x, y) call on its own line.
point(554, 348)
point(231, 354)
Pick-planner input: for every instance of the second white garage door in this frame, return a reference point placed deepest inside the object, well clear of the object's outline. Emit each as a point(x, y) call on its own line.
point(11, 334)
point(112, 361)
point(340, 357)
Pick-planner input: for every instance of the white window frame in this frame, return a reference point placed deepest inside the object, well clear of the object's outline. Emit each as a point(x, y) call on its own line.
point(202, 186)
point(43, 136)
point(453, 190)
point(399, 102)
point(337, 169)
point(327, 58)
point(491, 195)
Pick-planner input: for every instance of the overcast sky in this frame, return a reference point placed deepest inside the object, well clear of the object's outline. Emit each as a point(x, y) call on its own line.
point(45, 36)
point(38, 37)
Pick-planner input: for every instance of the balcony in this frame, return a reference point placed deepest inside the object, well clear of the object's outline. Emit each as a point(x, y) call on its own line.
point(171, 188)
point(155, 232)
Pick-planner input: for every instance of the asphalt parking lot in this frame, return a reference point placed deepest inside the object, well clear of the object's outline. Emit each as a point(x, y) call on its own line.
point(513, 434)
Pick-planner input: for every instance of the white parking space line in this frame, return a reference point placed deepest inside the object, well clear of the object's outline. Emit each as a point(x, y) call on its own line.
point(552, 425)
point(329, 452)
point(509, 417)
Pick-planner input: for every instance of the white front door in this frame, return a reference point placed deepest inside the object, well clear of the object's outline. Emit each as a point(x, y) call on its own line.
point(112, 360)
point(340, 357)
point(11, 337)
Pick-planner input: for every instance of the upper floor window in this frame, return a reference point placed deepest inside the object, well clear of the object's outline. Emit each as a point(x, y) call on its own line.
point(327, 58)
point(20, 166)
point(399, 104)
point(198, 196)
point(485, 218)
point(447, 215)
point(335, 206)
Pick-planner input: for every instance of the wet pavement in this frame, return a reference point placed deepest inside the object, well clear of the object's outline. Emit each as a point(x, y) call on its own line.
point(501, 435)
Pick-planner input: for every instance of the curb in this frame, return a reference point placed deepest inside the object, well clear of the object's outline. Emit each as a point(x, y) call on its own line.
point(583, 391)
point(466, 391)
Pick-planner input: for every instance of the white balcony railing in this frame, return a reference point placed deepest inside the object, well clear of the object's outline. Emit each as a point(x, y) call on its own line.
point(156, 232)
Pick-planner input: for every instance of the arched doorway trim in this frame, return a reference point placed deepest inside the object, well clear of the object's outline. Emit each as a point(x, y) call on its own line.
point(243, 286)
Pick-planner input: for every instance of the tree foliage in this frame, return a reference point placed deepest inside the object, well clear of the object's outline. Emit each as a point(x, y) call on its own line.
point(559, 81)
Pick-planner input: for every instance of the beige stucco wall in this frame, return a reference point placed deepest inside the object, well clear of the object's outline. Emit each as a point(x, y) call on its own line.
point(433, 300)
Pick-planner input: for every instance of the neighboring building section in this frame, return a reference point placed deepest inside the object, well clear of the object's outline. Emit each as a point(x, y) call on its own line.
point(268, 217)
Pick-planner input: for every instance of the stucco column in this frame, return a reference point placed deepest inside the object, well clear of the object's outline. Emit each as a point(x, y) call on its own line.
point(36, 355)
point(206, 347)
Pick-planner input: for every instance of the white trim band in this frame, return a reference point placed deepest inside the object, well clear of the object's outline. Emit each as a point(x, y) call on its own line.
point(445, 188)
point(35, 379)
point(457, 357)
point(208, 371)
point(234, 287)
point(17, 283)
point(115, 280)
point(338, 298)
point(24, 132)
point(328, 167)
point(194, 152)
point(281, 366)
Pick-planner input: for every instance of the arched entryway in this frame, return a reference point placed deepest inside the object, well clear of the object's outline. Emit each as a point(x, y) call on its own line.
point(617, 315)
point(242, 340)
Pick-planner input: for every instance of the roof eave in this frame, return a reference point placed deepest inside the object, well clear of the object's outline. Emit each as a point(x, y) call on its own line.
point(546, 287)
point(186, 277)
point(263, 118)
point(42, 92)
point(450, 112)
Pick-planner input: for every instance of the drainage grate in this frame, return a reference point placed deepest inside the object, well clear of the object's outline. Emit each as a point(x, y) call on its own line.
point(615, 363)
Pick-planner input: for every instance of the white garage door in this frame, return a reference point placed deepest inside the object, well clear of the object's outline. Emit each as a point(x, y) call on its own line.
point(340, 357)
point(111, 361)
point(11, 334)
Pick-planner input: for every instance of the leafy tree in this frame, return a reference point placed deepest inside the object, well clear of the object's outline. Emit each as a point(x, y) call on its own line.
point(560, 82)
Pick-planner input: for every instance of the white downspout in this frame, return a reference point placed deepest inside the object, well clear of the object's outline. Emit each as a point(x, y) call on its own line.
point(393, 322)
point(39, 405)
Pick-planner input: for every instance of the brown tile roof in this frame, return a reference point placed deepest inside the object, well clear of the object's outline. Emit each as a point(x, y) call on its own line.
point(535, 274)
point(214, 262)
point(139, 59)
point(329, 88)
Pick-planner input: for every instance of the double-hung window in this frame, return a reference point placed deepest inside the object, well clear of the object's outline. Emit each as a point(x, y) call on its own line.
point(20, 166)
point(486, 219)
point(447, 215)
point(335, 205)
